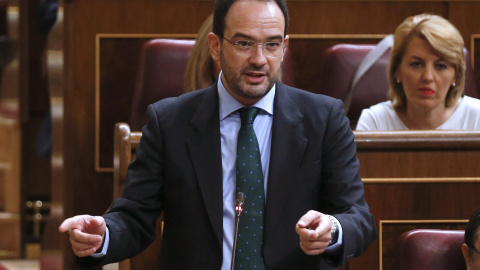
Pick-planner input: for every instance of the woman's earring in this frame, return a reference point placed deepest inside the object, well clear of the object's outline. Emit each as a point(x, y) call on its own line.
point(398, 81)
point(453, 85)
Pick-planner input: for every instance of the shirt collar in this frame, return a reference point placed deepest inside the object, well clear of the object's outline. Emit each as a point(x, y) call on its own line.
point(229, 104)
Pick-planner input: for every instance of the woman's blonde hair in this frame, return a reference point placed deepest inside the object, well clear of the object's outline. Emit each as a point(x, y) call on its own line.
point(200, 71)
point(445, 40)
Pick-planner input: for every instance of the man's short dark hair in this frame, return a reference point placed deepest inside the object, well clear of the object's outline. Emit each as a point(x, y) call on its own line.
point(222, 7)
point(471, 230)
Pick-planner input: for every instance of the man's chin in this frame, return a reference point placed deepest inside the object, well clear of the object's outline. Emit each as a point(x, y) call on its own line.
point(255, 91)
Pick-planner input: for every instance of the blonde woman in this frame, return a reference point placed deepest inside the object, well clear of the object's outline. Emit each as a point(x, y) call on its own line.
point(426, 77)
point(201, 70)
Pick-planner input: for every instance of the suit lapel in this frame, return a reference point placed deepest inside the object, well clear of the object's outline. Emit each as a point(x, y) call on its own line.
point(205, 151)
point(288, 146)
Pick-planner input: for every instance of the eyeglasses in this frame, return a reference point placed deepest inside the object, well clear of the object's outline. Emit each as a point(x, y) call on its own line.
point(248, 47)
point(474, 249)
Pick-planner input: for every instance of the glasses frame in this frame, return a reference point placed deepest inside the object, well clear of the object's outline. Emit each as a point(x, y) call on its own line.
point(473, 248)
point(282, 50)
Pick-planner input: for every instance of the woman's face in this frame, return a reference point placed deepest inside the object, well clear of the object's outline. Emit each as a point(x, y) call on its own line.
point(425, 76)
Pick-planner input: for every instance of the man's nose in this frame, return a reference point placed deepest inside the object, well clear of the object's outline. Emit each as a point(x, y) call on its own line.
point(258, 55)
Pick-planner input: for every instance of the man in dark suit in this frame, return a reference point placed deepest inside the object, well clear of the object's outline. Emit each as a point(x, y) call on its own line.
point(314, 212)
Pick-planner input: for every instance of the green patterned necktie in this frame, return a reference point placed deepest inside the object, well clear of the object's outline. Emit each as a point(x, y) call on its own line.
point(248, 254)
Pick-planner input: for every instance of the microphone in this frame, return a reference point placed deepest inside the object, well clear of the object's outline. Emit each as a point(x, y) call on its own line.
point(239, 201)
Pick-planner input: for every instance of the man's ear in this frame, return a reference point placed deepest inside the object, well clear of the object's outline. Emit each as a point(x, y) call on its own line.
point(466, 254)
point(214, 45)
point(285, 42)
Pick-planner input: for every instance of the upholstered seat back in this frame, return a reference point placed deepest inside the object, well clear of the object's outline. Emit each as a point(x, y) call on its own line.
point(339, 65)
point(161, 74)
point(431, 250)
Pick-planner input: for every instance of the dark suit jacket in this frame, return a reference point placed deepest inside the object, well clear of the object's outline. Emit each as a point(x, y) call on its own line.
point(177, 170)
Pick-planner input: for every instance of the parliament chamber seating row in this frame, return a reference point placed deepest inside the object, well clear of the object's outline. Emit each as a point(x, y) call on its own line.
point(163, 63)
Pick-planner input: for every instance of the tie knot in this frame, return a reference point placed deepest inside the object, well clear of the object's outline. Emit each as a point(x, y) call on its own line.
point(248, 114)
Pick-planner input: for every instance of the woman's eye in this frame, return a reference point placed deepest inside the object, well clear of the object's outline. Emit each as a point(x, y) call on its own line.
point(416, 64)
point(441, 66)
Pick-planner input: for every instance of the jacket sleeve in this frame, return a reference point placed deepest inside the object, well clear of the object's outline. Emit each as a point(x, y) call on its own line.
point(131, 218)
point(344, 190)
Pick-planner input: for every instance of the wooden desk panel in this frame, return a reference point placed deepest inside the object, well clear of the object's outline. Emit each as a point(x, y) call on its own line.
point(416, 179)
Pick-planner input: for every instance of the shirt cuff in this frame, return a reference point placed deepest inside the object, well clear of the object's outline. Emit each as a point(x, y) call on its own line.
point(103, 252)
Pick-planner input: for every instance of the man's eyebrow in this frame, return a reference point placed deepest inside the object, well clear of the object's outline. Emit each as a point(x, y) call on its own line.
point(277, 37)
point(241, 35)
point(247, 37)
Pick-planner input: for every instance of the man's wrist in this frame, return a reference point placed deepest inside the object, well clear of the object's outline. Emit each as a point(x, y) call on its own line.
point(333, 230)
point(103, 249)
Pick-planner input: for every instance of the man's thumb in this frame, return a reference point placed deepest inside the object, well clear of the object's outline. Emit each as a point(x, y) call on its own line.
point(96, 225)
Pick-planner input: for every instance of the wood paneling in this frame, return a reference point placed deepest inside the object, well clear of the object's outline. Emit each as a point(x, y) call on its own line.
point(414, 176)
point(356, 17)
point(463, 15)
point(10, 165)
point(10, 241)
point(425, 156)
point(475, 45)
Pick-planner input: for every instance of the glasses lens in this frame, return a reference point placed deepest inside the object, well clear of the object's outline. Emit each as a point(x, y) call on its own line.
point(273, 49)
point(269, 49)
